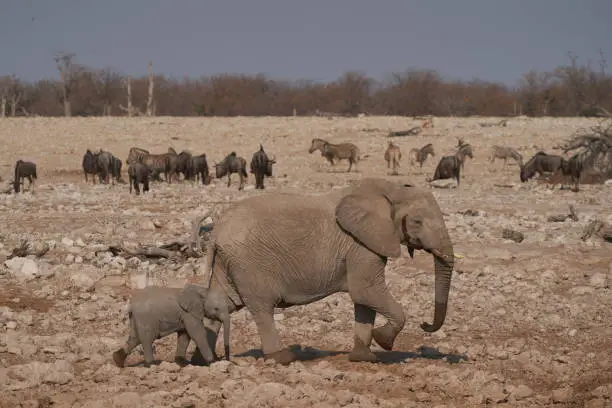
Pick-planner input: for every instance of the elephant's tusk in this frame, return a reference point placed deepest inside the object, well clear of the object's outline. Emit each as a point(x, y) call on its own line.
point(459, 256)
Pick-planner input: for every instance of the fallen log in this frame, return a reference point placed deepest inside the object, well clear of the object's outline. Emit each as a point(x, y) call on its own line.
point(410, 132)
point(562, 217)
point(26, 248)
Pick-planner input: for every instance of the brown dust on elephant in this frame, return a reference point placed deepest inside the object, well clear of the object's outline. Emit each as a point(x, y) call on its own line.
point(279, 250)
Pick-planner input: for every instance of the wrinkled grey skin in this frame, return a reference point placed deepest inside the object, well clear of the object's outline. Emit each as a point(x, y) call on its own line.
point(138, 173)
point(24, 170)
point(105, 162)
point(156, 312)
point(279, 250)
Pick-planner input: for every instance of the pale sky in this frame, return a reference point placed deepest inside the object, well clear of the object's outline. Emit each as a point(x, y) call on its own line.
point(496, 40)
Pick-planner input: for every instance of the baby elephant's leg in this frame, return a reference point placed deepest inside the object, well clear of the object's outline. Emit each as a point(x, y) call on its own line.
point(120, 355)
point(182, 342)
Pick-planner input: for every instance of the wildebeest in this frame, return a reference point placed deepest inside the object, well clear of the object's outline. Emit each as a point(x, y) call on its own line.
point(261, 166)
point(393, 155)
point(341, 151)
point(420, 155)
point(184, 165)
point(105, 166)
point(157, 163)
point(505, 152)
point(199, 168)
point(116, 165)
point(232, 164)
point(540, 163)
point(573, 168)
point(448, 167)
point(24, 170)
point(138, 173)
point(464, 150)
point(90, 165)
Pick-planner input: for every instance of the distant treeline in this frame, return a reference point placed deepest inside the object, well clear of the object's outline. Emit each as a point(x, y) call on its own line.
point(575, 89)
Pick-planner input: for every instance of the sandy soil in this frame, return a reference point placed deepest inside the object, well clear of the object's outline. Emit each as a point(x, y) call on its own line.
point(528, 323)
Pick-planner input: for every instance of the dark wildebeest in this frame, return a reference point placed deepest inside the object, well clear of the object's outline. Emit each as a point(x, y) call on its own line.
point(505, 152)
point(138, 173)
point(573, 168)
point(393, 155)
point(342, 151)
point(184, 165)
point(448, 167)
point(105, 166)
point(420, 155)
point(232, 164)
point(261, 166)
point(116, 165)
point(464, 150)
point(90, 165)
point(199, 168)
point(24, 170)
point(540, 163)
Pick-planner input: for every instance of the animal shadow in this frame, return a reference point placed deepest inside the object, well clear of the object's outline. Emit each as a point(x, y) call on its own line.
point(308, 353)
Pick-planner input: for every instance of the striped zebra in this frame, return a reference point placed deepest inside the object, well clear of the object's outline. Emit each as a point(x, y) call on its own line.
point(464, 150)
point(341, 151)
point(505, 152)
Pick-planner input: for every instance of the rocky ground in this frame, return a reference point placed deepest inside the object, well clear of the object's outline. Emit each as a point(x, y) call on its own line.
point(528, 322)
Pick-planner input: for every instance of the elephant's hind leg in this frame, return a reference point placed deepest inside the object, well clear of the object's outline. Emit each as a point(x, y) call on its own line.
point(270, 340)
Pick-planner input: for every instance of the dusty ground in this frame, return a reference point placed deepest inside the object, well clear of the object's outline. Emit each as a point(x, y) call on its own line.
point(528, 323)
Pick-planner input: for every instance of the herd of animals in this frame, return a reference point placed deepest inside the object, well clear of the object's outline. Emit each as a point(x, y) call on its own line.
point(363, 226)
point(144, 166)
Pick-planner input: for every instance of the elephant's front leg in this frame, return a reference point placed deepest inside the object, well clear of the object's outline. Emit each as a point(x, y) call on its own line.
point(195, 329)
point(182, 342)
point(369, 292)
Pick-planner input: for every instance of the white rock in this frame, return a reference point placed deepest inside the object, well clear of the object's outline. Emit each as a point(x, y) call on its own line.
point(139, 279)
point(599, 280)
point(79, 242)
point(23, 269)
point(447, 183)
point(67, 242)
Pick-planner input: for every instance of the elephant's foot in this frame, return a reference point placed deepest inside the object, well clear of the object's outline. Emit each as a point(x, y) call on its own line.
point(284, 357)
point(362, 353)
point(181, 361)
point(198, 359)
point(384, 336)
point(119, 357)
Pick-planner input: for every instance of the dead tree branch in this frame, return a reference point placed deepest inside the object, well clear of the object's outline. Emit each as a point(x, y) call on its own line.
point(562, 217)
point(26, 248)
point(410, 132)
point(150, 110)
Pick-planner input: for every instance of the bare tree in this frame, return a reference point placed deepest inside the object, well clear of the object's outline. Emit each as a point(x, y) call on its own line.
point(67, 70)
point(4, 86)
point(108, 88)
point(150, 103)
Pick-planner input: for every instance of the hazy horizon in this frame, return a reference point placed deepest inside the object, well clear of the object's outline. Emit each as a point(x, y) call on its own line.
point(489, 40)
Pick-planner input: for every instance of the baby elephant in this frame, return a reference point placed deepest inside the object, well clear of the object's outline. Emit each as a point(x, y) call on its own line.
point(156, 312)
point(138, 173)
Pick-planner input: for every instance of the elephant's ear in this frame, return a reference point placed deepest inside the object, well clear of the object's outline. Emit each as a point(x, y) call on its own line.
point(367, 217)
point(191, 299)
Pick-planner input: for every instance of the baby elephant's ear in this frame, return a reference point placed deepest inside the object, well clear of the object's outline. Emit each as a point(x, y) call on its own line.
point(191, 299)
point(367, 217)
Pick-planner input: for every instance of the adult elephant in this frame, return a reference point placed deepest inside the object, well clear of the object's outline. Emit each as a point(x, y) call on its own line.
point(279, 250)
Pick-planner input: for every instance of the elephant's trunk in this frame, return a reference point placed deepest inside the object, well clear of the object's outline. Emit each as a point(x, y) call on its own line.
point(226, 336)
point(443, 263)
